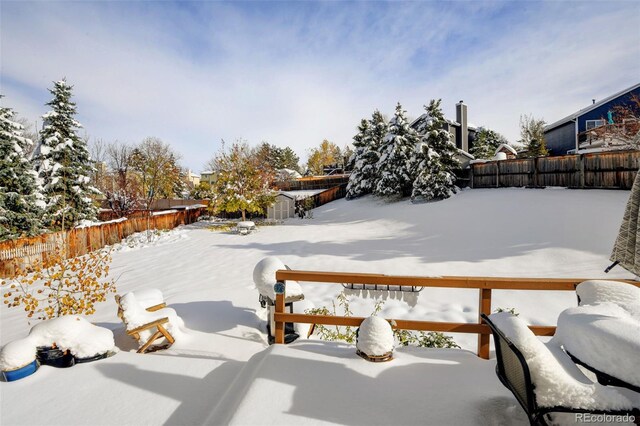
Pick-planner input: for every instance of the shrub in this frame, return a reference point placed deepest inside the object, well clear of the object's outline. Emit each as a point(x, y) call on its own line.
point(56, 286)
point(348, 334)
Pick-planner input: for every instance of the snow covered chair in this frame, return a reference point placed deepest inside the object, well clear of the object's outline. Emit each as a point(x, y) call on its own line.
point(148, 321)
point(544, 379)
point(603, 333)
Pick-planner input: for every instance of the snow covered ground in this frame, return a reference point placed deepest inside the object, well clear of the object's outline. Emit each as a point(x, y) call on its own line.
point(206, 276)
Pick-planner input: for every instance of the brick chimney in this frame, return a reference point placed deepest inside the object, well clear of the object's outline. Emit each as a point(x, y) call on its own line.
point(462, 131)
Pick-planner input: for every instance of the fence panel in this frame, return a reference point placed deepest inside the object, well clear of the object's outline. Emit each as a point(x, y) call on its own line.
point(606, 170)
point(17, 255)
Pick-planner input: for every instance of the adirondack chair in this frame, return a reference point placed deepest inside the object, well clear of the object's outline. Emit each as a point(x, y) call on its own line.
point(154, 326)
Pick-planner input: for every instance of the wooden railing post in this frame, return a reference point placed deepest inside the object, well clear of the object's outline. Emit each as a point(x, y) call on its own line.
point(484, 307)
point(279, 289)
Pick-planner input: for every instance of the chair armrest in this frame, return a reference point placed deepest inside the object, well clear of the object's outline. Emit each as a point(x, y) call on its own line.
point(156, 307)
point(149, 325)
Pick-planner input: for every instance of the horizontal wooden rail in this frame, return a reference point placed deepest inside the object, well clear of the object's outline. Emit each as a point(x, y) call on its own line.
point(485, 285)
point(451, 327)
point(496, 283)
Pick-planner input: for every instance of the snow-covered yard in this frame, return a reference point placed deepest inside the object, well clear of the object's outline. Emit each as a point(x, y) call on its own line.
point(223, 370)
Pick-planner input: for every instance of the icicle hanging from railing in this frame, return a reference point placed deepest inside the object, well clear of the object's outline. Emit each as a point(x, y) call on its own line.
point(406, 293)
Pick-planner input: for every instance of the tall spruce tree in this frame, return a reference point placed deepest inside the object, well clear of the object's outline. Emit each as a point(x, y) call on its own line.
point(485, 144)
point(63, 164)
point(396, 153)
point(356, 162)
point(435, 159)
point(19, 211)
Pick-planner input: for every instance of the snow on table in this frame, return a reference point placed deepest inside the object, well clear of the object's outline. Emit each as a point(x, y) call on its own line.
point(604, 336)
point(327, 383)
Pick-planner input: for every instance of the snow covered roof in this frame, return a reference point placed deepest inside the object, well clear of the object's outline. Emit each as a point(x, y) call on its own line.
point(583, 111)
point(507, 147)
point(465, 154)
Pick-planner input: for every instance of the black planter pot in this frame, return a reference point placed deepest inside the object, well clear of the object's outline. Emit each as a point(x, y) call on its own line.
point(55, 357)
point(91, 358)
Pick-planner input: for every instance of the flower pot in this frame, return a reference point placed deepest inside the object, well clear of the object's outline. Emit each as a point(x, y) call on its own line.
point(21, 372)
point(91, 358)
point(55, 357)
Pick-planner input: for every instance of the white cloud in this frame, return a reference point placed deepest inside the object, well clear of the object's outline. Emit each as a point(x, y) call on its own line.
point(297, 77)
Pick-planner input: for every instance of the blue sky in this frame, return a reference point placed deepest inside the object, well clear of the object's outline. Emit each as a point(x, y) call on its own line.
point(295, 73)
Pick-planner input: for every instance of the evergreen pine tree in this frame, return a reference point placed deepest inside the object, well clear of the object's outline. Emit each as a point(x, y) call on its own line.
point(378, 129)
point(63, 164)
point(485, 144)
point(435, 159)
point(19, 211)
point(356, 162)
point(396, 153)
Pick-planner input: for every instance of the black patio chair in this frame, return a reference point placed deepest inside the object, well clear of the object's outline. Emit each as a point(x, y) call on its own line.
point(513, 372)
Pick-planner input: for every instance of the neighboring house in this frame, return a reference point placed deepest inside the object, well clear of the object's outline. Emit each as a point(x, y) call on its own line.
point(287, 174)
point(462, 132)
point(283, 208)
point(193, 178)
point(208, 176)
point(569, 133)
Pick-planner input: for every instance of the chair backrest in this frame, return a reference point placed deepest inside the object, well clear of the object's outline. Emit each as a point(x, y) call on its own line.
point(512, 369)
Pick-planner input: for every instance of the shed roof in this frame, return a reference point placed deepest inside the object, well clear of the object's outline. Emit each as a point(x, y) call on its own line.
point(589, 108)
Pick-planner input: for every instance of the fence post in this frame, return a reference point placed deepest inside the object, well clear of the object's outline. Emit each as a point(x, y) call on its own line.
point(279, 289)
point(497, 174)
point(581, 169)
point(484, 307)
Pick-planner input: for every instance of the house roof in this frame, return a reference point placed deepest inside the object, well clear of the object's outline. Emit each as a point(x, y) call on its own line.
point(508, 147)
point(590, 108)
point(465, 154)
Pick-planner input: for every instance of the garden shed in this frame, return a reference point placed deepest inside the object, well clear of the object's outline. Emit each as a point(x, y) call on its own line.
point(283, 208)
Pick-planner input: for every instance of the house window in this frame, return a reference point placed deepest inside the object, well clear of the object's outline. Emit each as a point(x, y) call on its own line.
point(592, 124)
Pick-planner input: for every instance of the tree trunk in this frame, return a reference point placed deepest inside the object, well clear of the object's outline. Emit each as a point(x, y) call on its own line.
point(244, 216)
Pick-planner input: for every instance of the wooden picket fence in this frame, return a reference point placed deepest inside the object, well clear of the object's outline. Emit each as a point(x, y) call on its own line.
point(606, 170)
point(331, 194)
point(16, 255)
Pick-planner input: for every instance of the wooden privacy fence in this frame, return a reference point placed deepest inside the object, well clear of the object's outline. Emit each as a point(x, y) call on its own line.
point(606, 170)
point(324, 197)
point(313, 182)
point(485, 285)
point(16, 255)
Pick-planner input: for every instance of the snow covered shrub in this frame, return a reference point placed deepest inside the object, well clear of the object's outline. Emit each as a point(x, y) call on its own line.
point(432, 339)
point(304, 208)
point(57, 286)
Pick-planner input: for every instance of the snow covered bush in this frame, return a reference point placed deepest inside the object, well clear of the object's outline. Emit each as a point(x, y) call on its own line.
point(63, 164)
point(19, 198)
point(375, 337)
point(57, 286)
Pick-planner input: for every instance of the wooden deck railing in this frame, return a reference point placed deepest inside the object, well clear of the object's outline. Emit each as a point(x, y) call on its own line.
point(484, 285)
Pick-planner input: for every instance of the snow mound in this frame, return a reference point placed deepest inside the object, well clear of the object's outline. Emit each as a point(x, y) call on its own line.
point(558, 381)
point(624, 295)
point(604, 336)
point(74, 333)
point(70, 332)
point(135, 315)
point(264, 277)
point(151, 238)
point(375, 337)
point(17, 354)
